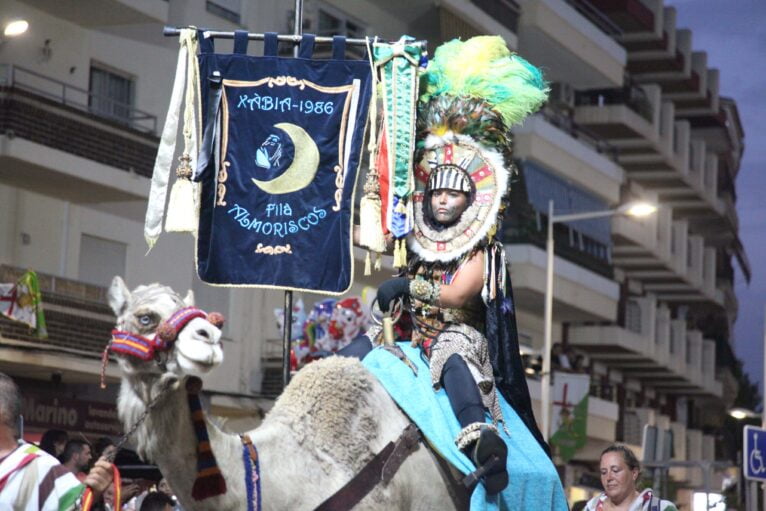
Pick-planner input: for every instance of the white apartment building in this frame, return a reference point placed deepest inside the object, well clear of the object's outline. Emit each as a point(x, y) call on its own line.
point(634, 113)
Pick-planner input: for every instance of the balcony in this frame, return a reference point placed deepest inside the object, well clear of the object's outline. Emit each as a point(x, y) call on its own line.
point(655, 149)
point(579, 294)
point(79, 327)
point(653, 348)
point(628, 117)
point(602, 421)
point(632, 17)
point(140, 20)
point(459, 19)
point(553, 34)
point(557, 142)
point(697, 95)
point(663, 55)
point(55, 144)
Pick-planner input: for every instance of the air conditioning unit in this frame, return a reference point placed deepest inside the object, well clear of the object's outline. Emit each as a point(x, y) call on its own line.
point(562, 95)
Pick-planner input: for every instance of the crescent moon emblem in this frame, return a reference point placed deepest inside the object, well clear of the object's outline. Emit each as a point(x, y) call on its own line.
point(303, 168)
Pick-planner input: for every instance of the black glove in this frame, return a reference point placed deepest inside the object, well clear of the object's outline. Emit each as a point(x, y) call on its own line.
point(390, 290)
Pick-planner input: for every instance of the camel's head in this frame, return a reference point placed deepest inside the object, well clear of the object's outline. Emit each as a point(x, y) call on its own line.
point(154, 337)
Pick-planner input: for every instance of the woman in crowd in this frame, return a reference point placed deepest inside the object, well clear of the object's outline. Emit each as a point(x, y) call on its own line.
point(619, 476)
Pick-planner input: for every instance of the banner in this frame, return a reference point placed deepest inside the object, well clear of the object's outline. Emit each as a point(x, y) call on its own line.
point(21, 301)
point(570, 413)
point(281, 147)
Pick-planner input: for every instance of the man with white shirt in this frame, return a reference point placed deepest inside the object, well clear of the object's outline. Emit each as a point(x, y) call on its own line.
point(30, 478)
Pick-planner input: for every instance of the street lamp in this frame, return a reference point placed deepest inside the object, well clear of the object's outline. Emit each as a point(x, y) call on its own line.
point(15, 27)
point(743, 413)
point(635, 209)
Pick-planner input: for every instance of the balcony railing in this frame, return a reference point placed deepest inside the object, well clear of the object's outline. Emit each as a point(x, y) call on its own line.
point(81, 99)
point(506, 12)
point(631, 96)
point(595, 16)
point(564, 122)
point(51, 117)
point(77, 316)
point(524, 226)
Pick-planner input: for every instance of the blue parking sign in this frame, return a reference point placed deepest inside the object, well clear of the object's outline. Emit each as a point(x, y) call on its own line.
point(754, 459)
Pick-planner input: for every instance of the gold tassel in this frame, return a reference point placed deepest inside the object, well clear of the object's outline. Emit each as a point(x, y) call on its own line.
point(400, 254)
point(367, 264)
point(370, 224)
point(182, 210)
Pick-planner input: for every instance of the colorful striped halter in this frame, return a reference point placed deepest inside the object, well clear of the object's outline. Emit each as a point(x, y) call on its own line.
point(146, 348)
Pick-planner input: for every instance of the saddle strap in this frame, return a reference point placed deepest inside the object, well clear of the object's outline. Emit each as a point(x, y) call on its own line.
point(381, 468)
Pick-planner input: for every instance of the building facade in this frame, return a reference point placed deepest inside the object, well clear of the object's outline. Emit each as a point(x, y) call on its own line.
point(634, 113)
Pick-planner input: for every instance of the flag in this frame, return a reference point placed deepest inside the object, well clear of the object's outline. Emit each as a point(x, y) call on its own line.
point(570, 413)
point(281, 148)
point(22, 302)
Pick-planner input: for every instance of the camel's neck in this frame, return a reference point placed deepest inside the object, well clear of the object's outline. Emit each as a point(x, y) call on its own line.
point(167, 437)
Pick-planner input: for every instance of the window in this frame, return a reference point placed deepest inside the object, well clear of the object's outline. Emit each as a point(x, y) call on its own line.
point(593, 237)
point(101, 260)
point(326, 21)
point(633, 316)
point(111, 93)
point(230, 10)
point(332, 22)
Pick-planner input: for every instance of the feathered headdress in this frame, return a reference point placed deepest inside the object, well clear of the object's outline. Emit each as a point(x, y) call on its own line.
point(471, 94)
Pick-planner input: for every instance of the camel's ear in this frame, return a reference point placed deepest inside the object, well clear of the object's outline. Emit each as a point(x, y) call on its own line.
point(118, 295)
point(189, 298)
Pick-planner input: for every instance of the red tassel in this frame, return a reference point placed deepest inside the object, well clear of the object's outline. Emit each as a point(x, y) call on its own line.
point(216, 319)
point(208, 486)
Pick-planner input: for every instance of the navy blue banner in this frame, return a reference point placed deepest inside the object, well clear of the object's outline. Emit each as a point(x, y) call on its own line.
point(280, 174)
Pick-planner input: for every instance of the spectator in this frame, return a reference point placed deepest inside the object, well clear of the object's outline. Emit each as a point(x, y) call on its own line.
point(54, 441)
point(76, 457)
point(579, 363)
point(157, 501)
point(620, 470)
point(32, 478)
point(559, 359)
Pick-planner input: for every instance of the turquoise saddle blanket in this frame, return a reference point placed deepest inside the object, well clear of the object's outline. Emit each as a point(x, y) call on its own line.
point(534, 483)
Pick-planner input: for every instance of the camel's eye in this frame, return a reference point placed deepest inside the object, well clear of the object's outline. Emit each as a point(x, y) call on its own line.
point(145, 319)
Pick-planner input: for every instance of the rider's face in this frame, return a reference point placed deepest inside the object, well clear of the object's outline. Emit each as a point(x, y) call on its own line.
point(618, 479)
point(448, 205)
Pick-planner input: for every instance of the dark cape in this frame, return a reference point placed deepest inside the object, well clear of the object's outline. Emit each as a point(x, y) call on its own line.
point(503, 339)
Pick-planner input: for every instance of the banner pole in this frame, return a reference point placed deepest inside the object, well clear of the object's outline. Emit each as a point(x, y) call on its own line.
point(288, 322)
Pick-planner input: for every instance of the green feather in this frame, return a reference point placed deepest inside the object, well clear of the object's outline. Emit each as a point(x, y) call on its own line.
point(483, 68)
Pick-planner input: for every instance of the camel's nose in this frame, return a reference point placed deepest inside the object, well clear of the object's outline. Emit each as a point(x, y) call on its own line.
point(208, 334)
point(202, 331)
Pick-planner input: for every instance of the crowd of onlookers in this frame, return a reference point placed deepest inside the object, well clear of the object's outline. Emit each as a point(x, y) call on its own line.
point(563, 358)
point(145, 492)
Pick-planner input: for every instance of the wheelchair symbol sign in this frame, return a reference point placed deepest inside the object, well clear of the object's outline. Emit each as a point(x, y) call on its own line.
point(754, 459)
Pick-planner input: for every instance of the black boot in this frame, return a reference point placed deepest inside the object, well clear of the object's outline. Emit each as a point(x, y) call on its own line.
point(483, 445)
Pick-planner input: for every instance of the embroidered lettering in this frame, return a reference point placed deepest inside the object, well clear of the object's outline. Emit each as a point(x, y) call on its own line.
point(273, 250)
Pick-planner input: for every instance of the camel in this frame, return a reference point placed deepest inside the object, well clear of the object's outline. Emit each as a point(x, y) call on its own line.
point(328, 423)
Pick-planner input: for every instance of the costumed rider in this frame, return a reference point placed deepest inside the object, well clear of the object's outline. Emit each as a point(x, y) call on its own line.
point(456, 279)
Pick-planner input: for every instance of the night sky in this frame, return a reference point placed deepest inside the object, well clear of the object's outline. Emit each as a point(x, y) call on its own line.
point(733, 33)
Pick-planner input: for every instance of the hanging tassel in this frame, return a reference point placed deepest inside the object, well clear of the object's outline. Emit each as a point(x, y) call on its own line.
point(367, 264)
point(182, 207)
point(400, 254)
point(209, 481)
point(378, 262)
point(370, 223)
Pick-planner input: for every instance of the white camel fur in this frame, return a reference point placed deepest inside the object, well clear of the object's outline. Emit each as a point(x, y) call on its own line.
point(327, 424)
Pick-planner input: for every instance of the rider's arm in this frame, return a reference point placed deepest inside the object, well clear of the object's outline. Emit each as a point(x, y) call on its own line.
point(466, 284)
